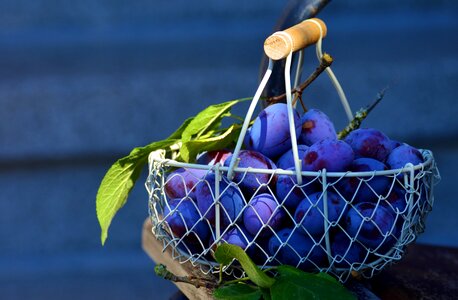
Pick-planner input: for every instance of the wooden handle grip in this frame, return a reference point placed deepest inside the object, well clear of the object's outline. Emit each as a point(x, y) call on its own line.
point(278, 45)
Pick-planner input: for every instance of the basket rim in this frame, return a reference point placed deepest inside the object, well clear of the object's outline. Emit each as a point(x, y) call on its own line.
point(158, 158)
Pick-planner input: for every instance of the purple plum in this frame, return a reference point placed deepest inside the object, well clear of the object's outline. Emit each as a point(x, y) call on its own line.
point(289, 246)
point(332, 155)
point(396, 200)
point(238, 236)
point(184, 220)
point(310, 212)
point(213, 157)
point(365, 189)
point(270, 133)
point(182, 183)
point(231, 200)
point(372, 225)
point(250, 182)
point(286, 161)
point(316, 126)
point(369, 142)
point(289, 193)
point(262, 211)
point(403, 155)
point(345, 251)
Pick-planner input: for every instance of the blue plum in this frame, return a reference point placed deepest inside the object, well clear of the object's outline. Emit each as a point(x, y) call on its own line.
point(270, 133)
point(369, 142)
point(345, 252)
point(402, 155)
point(333, 155)
point(395, 144)
point(310, 212)
point(316, 126)
point(370, 188)
point(396, 200)
point(231, 200)
point(184, 220)
point(289, 194)
point(286, 161)
point(372, 225)
point(290, 246)
point(182, 183)
point(213, 157)
point(237, 236)
point(250, 182)
point(263, 210)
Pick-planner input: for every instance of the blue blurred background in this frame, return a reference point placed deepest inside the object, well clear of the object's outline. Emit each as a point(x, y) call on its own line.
point(83, 82)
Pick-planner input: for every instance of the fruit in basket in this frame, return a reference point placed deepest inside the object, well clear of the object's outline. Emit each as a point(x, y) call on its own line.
point(316, 126)
point(231, 200)
point(182, 183)
point(369, 142)
point(250, 182)
point(396, 200)
point(334, 155)
point(184, 220)
point(270, 132)
point(239, 237)
point(345, 251)
point(289, 194)
point(286, 161)
point(213, 157)
point(371, 224)
point(402, 155)
point(365, 189)
point(290, 246)
point(309, 213)
point(263, 212)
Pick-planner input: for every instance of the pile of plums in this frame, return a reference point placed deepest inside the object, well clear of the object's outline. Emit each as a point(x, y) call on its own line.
point(278, 221)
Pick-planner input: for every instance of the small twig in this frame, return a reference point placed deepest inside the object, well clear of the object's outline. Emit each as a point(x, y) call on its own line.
point(162, 271)
point(361, 115)
point(326, 61)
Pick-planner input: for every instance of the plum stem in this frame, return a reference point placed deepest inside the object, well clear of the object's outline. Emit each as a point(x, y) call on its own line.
point(361, 115)
point(326, 61)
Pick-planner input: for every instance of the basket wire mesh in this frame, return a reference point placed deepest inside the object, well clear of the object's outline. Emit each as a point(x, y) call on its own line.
point(192, 233)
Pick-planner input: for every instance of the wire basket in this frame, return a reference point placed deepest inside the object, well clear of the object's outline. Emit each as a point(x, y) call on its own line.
point(333, 232)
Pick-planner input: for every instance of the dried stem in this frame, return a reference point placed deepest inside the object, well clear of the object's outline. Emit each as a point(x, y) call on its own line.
point(326, 61)
point(360, 116)
point(161, 270)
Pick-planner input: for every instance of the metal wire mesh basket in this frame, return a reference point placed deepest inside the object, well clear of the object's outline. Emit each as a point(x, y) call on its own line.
point(334, 231)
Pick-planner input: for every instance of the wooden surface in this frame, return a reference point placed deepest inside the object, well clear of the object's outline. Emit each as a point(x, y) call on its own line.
point(425, 272)
point(153, 248)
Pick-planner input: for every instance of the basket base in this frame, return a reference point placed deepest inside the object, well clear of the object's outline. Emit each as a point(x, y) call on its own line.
point(422, 274)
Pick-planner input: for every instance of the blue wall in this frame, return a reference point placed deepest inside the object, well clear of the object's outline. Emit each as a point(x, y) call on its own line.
point(82, 83)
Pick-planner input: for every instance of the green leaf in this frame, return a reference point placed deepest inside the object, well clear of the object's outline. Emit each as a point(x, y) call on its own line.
point(209, 118)
point(119, 181)
point(190, 149)
point(225, 253)
point(140, 153)
point(327, 276)
point(266, 294)
point(177, 134)
point(283, 289)
point(293, 283)
point(237, 291)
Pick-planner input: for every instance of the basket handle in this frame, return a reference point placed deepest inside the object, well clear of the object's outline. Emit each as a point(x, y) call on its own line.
point(297, 37)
